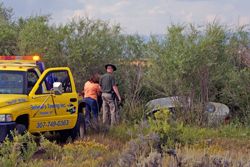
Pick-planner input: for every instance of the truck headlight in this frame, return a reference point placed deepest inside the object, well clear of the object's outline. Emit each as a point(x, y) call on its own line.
point(6, 118)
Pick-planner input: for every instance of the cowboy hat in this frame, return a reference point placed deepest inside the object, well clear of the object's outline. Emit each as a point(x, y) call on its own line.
point(112, 65)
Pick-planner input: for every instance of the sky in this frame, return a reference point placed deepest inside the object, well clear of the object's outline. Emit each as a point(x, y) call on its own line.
point(138, 16)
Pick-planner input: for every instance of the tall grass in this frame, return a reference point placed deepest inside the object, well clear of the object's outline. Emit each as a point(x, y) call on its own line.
point(137, 145)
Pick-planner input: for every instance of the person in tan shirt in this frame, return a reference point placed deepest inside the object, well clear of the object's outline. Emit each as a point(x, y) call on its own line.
point(91, 91)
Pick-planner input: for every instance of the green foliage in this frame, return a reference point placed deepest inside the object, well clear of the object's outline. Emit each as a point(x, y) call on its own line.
point(34, 35)
point(132, 111)
point(8, 32)
point(90, 45)
point(140, 151)
point(131, 70)
point(193, 134)
point(236, 95)
point(233, 131)
point(168, 130)
point(52, 150)
point(141, 146)
point(205, 65)
point(125, 131)
point(5, 13)
point(186, 58)
point(18, 151)
point(79, 153)
point(153, 159)
point(8, 39)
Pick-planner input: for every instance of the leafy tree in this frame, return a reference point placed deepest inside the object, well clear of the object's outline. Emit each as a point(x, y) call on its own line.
point(5, 13)
point(8, 32)
point(90, 45)
point(200, 65)
point(34, 35)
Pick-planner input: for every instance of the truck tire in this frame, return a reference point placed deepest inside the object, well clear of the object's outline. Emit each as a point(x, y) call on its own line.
point(82, 126)
point(78, 131)
point(20, 128)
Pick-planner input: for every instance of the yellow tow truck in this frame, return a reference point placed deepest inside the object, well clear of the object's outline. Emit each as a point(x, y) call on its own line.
point(37, 100)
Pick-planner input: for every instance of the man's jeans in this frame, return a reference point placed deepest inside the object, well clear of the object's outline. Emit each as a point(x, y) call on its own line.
point(91, 105)
point(108, 109)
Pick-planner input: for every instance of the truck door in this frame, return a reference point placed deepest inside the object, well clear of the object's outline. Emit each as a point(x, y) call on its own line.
point(52, 111)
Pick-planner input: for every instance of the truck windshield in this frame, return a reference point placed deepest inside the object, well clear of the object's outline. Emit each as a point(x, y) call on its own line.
point(12, 82)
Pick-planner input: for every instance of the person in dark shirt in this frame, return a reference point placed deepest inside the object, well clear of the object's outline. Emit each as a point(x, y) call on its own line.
point(109, 89)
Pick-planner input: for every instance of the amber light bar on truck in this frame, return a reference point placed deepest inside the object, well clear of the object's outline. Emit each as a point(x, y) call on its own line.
point(17, 58)
point(25, 60)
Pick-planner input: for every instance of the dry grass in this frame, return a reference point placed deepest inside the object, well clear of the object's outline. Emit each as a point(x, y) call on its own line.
point(112, 143)
point(216, 152)
point(129, 146)
point(210, 147)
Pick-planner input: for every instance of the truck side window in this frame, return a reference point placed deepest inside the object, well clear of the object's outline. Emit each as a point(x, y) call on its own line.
point(63, 77)
point(32, 78)
point(56, 76)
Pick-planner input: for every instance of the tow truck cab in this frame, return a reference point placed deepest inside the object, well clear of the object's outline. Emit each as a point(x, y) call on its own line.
point(37, 100)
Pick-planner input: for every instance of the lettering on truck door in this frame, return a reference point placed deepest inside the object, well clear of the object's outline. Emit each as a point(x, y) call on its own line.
point(52, 111)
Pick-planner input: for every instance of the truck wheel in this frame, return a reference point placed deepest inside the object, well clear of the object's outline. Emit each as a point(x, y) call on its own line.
point(64, 135)
point(21, 129)
point(82, 126)
point(79, 130)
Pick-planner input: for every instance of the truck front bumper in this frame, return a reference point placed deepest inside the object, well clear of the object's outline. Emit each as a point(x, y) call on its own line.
point(5, 129)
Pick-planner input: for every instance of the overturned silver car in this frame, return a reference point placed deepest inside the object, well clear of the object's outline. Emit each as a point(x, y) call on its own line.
point(216, 113)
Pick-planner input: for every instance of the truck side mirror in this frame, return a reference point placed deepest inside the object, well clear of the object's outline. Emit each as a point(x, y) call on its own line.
point(57, 88)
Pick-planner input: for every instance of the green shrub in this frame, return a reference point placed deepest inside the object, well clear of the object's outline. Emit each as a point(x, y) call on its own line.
point(18, 151)
point(205, 64)
point(168, 130)
point(141, 148)
point(52, 150)
point(132, 112)
point(84, 153)
point(193, 134)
